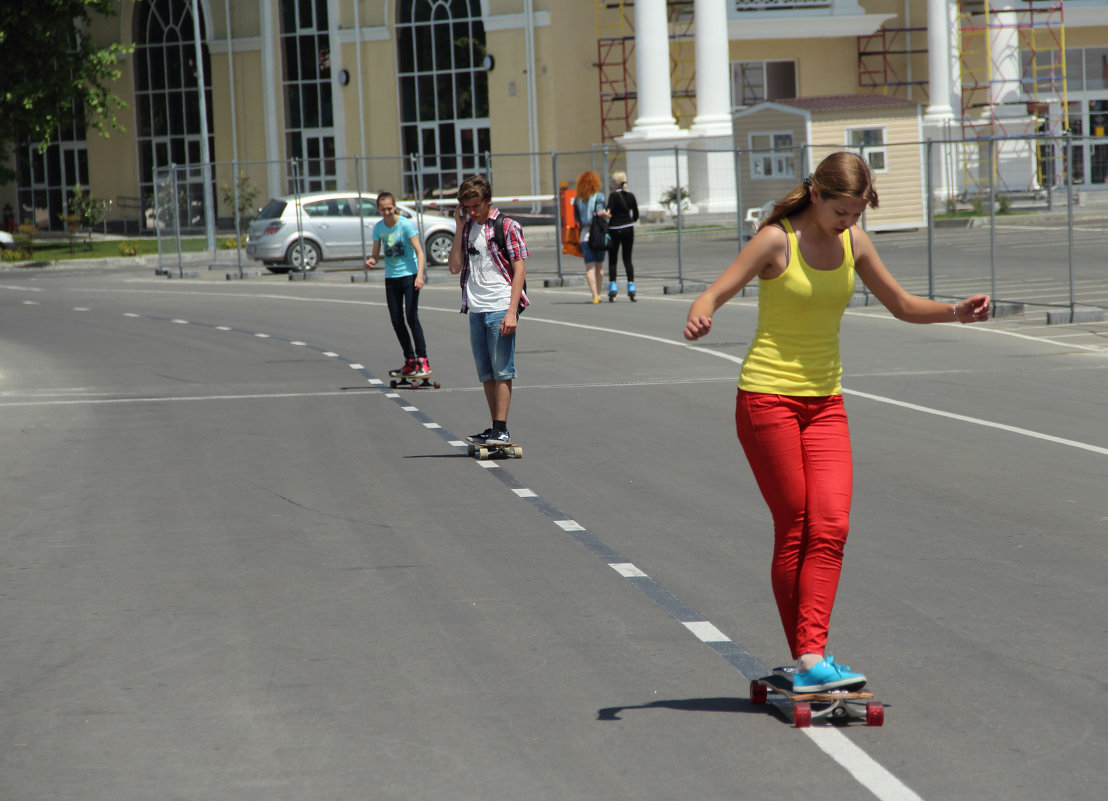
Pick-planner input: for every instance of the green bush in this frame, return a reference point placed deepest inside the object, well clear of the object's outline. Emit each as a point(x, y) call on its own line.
point(14, 255)
point(128, 248)
point(229, 243)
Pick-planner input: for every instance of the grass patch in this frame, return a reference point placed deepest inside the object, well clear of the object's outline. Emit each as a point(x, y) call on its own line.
point(59, 249)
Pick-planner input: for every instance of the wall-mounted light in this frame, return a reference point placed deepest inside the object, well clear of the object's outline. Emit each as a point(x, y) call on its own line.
point(488, 62)
point(344, 77)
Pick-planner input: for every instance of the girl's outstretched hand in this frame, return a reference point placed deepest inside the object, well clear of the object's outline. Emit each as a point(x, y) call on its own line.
point(697, 326)
point(974, 309)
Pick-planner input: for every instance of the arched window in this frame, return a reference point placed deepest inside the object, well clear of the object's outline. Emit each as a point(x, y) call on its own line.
point(168, 103)
point(444, 92)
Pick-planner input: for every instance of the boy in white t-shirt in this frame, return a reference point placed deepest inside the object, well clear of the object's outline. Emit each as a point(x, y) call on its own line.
point(492, 280)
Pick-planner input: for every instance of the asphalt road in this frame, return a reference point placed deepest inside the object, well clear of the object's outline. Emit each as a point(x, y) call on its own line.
point(233, 566)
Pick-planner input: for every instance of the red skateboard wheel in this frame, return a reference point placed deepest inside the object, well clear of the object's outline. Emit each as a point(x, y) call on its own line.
point(758, 693)
point(802, 715)
point(875, 713)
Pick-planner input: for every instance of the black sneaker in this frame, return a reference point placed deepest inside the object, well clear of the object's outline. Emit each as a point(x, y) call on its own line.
point(482, 437)
point(498, 438)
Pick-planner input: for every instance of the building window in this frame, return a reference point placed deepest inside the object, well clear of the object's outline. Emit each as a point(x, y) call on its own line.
point(870, 143)
point(309, 114)
point(444, 93)
point(755, 81)
point(168, 104)
point(48, 177)
point(772, 155)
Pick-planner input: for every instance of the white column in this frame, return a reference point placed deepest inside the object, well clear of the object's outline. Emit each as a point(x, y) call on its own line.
point(939, 80)
point(1004, 87)
point(954, 56)
point(941, 120)
point(713, 69)
point(652, 71)
point(1015, 158)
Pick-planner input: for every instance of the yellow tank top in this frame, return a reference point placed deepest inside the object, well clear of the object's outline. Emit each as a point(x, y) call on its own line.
point(796, 347)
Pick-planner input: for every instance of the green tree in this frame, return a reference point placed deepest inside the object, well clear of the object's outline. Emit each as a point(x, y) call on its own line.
point(52, 74)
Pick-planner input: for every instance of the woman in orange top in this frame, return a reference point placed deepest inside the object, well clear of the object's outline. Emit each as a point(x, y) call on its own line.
point(789, 412)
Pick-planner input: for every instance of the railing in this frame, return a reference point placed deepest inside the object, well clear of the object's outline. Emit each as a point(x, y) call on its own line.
point(741, 6)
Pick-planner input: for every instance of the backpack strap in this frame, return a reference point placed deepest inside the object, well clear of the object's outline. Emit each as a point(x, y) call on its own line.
point(500, 236)
point(500, 233)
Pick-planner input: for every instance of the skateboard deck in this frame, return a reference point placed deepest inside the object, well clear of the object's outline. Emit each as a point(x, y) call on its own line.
point(838, 706)
point(487, 450)
point(413, 381)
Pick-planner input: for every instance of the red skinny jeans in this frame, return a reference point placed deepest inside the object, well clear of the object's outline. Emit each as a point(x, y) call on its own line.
point(799, 450)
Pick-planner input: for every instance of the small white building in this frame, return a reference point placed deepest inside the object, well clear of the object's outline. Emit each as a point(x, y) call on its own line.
point(781, 141)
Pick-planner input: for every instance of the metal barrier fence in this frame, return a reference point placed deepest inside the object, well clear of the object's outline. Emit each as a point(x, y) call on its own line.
point(988, 197)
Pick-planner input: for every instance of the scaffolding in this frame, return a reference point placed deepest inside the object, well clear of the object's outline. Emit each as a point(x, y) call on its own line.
point(997, 104)
point(615, 44)
point(885, 62)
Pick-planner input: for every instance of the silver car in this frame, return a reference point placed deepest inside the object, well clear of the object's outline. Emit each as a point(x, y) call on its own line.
point(331, 226)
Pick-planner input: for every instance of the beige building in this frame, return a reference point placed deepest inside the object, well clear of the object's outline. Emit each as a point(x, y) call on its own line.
point(410, 95)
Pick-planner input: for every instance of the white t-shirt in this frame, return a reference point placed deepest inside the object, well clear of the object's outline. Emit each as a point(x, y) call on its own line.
point(487, 290)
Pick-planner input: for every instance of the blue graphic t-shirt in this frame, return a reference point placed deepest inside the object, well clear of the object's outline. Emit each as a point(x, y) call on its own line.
point(396, 247)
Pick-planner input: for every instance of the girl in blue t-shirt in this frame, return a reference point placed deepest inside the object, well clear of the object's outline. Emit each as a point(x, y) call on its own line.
point(404, 266)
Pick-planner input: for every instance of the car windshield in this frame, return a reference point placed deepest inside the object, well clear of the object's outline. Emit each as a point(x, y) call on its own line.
point(272, 210)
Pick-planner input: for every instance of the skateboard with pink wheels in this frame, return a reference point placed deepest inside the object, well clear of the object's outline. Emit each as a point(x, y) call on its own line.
point(838, 706)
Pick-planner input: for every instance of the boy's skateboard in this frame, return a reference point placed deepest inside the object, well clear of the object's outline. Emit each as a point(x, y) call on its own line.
point(487, 450)
point(836, 705)
point(400, 381)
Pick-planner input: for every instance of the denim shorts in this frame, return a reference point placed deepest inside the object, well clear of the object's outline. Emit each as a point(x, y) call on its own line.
point(592, 256)
point(494, 355)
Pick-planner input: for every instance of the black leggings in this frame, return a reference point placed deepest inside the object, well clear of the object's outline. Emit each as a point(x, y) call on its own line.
point(625, 238)
point(403, 300)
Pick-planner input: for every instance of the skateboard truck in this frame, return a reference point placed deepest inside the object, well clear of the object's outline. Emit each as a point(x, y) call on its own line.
point(838, 706)
point(414, 382)
point(487, 450)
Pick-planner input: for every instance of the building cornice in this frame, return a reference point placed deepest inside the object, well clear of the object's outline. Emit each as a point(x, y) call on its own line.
point(814, 24)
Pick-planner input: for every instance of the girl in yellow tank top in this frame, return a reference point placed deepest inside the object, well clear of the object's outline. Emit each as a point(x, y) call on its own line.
point(789, 412)
point(796, 348)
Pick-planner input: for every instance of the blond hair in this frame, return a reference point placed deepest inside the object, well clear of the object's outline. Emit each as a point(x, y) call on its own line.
point(619, 179)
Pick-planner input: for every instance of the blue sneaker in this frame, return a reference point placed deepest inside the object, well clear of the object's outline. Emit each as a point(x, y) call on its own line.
point(613, 289)
point(631, 290)
point(826, 675)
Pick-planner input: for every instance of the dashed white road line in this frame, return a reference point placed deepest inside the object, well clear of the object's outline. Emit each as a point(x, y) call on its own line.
point(705, 631)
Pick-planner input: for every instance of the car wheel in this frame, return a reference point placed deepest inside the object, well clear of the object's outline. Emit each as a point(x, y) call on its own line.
point(438, 248)
point(303, 255)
